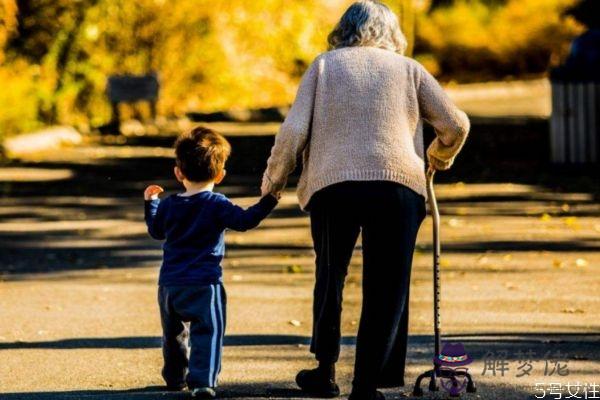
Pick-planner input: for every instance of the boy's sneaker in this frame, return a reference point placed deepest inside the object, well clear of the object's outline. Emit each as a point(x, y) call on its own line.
point(318, 382)
point(204, 393)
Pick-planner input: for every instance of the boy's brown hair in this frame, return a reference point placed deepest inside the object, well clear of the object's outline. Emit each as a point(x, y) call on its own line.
point(201, 154)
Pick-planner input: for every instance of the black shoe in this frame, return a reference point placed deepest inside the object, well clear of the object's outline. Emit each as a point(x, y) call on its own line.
point(318, 382)
point(376, 395)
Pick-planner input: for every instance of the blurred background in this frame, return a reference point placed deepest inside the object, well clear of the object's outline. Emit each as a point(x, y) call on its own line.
point(56, 55)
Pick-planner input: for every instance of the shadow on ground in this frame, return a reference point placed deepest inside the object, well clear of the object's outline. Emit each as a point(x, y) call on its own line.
point(478, 340)
point(85, 221)
point(540, 347)
point(242, 391)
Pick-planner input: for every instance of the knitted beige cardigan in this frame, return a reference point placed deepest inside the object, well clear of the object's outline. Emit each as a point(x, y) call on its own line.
point(357, 117)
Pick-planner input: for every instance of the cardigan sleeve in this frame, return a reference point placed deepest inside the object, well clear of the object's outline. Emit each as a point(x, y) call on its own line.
point(293, 135)
point(451, 124)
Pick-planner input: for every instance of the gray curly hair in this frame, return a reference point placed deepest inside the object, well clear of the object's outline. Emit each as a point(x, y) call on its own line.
point(368, 23)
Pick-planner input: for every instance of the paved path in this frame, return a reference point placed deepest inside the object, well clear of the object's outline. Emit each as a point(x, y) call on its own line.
point(77, 296)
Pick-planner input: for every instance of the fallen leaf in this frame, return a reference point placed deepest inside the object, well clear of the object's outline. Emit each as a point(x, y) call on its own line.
point(565, 207)
point(571, 222)
point(462, 211)
point(295, 322)
point(237, 278)
point(546, 217)
point(294, 269)
point(558, 263)
point(507, 257)
point(455, 222)
point(581, 262)
point(571, 310)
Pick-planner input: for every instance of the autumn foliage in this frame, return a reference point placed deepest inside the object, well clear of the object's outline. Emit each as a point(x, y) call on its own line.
point(210, 55)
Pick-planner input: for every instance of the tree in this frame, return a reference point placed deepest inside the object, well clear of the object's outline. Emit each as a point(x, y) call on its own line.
point(407, 15)
point(8, 22)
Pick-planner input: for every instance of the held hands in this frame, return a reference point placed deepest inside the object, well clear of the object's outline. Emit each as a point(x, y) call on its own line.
point(152, 192)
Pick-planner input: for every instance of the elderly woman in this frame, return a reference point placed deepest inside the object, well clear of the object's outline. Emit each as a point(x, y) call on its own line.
point(356, 122)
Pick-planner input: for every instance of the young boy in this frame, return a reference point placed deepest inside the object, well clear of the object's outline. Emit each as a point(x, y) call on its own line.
point(192, 224)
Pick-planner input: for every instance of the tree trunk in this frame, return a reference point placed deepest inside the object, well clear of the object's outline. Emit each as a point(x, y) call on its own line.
point(407, 23)
point(64, 53)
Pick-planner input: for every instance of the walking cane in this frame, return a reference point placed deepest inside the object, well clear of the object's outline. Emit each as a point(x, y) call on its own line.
point(436, 371)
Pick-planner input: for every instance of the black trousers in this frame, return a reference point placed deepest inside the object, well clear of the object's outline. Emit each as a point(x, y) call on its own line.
point(389, 216)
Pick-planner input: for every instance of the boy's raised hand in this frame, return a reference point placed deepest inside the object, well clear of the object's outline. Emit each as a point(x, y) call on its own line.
point(152, 192)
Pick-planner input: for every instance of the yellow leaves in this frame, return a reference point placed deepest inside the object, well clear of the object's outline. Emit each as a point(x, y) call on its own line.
point(572, 310)
point(462, 211)
point(222, 54)
point(545, 217)
point(92, 32)
point(463, 23)
point(495, 35)
point(430, 63)
point(444, 263)
point(455, 223)
point(571, 222)
point(8, 23)
point(581, 262)
point(294, 269)
point(17, 97)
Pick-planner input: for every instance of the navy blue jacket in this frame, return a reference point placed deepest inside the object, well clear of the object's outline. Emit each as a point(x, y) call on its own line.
point(193, 230)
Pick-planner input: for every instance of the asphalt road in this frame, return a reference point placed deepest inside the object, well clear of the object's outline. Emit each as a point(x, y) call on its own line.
point(78, 285)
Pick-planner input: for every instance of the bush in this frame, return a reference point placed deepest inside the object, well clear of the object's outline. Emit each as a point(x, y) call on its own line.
point(18, 98)
point(222, 54)
point(472, 40)
point(209, 55)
